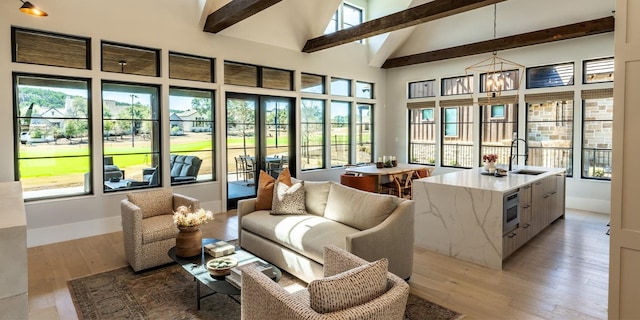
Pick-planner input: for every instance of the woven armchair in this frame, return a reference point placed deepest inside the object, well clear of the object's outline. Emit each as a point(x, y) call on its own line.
point(264, 299)
point(148, 228)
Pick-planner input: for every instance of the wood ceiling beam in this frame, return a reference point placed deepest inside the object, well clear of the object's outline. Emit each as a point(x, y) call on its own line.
point(581, 29)
point(407, 18)
point(234, 12)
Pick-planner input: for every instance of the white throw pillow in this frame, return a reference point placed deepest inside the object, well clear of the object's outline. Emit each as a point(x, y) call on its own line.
point(288, 200)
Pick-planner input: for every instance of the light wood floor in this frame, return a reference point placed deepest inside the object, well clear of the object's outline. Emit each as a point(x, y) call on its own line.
point(560, 274)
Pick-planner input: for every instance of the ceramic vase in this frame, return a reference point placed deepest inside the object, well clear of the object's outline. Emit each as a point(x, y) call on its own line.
point(188, 242)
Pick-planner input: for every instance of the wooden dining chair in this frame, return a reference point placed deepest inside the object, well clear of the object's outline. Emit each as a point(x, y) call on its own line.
point(400, 184)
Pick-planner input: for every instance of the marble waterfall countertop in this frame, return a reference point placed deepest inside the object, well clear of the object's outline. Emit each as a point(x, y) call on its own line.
point(472, 178)
point(459, 214)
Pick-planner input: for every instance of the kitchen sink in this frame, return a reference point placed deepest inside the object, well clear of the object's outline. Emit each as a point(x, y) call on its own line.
point(528, 172)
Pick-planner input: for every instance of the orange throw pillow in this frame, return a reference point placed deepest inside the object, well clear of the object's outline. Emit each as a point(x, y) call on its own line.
point(265, 188)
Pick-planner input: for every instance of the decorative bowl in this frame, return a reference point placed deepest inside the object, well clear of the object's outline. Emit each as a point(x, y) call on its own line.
point(221, 266)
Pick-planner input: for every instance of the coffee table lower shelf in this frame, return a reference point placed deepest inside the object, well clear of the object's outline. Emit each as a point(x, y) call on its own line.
point(196, 266)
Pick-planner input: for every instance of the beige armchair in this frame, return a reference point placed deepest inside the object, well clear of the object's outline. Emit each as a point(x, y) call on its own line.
point(348, 291)
point(148, 228)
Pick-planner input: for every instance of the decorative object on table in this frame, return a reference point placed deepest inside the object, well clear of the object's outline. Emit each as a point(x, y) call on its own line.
point(221, 266)
point(379, 164)
point(500, 172)
point(394, 162)
point(387, 162)
point(219, 249)
point(189, 238)
point(235, 275)
point(490, 162)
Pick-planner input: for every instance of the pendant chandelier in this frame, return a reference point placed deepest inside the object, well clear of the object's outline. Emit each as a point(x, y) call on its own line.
point(30, 9)
point(500, 74)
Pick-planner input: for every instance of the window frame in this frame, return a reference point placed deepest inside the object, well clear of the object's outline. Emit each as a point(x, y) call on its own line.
point(18, 135)
point(583, 159)
point(333, 125)
point(570, 82)
point(469, 79)
point(321, 122)
point(212, 63)
point(359, 137)
point(14, 46)
point(431, 84)
point(124, 46)
point(585, 68)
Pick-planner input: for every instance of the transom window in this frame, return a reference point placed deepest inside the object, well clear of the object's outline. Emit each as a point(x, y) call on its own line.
point(598, 70)
point(457, 85)
point(550, 76)
point(422, 89)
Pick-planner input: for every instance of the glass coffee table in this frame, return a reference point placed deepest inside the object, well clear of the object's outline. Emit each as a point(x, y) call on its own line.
point(196, 266)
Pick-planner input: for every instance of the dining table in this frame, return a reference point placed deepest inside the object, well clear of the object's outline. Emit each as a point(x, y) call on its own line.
point(384, 173)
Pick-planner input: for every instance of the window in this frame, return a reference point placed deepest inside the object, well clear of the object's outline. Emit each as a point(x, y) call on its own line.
point(599, 70)
point(422, 89)
point(364, 133)
point(597, 133)
point(498, 126)
point(340, 133)
point(550, 130)
point(130, 59)
point(52, 131)
point(422, 133)
point(364, 90)
point(131, 126)
point(500, 81)
point(340, 87)
point(50, 49)
point(457, 134)
point(426, 114)
point(189, 67)
point(191, 123)
point(312, 83)
point(345, 17)
point(457, 85)
point(312, 134)
point(256, 76)
point(550, 76)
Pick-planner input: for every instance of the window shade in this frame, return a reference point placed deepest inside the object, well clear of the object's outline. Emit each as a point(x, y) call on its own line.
point(421, 105)
point(548, 96)
point(597, 93)
point(456, 102)
point(498, 100)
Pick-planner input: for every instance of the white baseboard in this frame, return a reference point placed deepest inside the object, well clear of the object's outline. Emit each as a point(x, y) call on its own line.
point(71, 231)
point(587, 204)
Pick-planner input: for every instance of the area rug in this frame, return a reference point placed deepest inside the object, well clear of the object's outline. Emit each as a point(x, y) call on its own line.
point(169, 293)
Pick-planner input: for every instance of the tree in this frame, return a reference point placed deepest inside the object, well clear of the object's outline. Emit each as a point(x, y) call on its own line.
point(242, 113)
point(203, 106)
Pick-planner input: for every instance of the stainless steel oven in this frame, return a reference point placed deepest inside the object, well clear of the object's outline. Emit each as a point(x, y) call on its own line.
point(510, 211)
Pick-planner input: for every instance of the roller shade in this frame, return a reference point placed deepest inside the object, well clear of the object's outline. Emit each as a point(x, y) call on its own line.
point(597, 93)
point(548, 96)
point(456, 102)
point(421, 105)
point(498, 100)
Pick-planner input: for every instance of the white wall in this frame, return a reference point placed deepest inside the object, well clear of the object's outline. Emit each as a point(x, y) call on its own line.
point(581, 194)
point(166, 25)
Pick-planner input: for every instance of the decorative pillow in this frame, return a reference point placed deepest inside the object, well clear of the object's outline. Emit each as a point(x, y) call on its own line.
point(288, 200)
point(153, 203)
point(350, 288)
point(266, 182)
point(358, 209)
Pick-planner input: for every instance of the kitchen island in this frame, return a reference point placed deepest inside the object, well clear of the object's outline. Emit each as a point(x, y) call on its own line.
point(460, 214)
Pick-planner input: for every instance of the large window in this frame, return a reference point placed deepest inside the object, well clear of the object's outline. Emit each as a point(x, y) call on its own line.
point(550, 130)
point(498, 126)
point(422, 133)
point(457, 134)
point(52, 131)
point(364, 133)
point(340, 133)
point(312, 134)
point(131, 130)
point(191, 123)
point(597, 113)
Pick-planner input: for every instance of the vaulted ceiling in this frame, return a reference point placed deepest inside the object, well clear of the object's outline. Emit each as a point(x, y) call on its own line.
point(405, 32)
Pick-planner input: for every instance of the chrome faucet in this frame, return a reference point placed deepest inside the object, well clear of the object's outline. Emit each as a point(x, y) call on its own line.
point(514, 143)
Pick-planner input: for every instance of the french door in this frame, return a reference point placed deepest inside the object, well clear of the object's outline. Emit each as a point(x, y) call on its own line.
point(260, 136)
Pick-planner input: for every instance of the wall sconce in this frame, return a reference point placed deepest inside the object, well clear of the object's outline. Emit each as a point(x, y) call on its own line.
point(30, 9)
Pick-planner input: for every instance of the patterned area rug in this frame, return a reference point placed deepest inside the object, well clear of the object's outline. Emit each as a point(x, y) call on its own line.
point(169, 293)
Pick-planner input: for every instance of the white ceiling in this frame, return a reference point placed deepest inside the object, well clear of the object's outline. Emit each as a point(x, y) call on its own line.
point(289, 23)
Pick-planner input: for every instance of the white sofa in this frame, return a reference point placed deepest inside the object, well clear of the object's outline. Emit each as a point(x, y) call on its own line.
point(369, 225)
